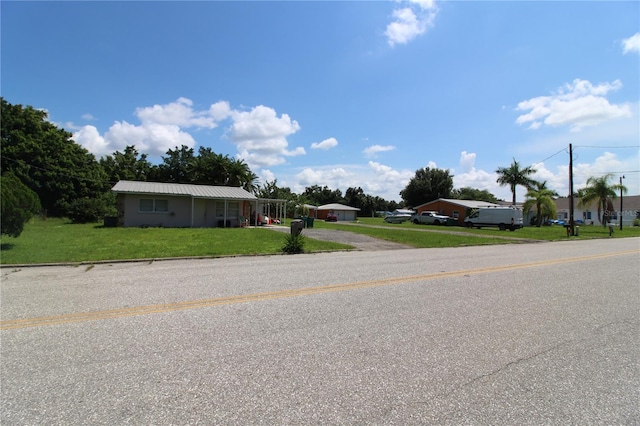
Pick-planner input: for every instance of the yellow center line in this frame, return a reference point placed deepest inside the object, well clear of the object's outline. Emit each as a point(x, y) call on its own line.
point(281, 294)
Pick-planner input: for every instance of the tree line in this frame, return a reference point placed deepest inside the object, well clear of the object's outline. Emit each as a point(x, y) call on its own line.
point(44, 171)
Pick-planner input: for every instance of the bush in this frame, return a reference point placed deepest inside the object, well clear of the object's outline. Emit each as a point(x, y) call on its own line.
point(293, 244)
point(19, 204)
point(87, 210)
point(636, 222)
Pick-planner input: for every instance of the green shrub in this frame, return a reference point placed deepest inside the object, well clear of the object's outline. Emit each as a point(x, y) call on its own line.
point(87, 210)
point(293, 244)
point(636, 222)
point(19, 204)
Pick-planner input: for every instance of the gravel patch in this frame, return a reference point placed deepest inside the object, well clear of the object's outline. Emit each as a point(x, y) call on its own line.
point(360, 242)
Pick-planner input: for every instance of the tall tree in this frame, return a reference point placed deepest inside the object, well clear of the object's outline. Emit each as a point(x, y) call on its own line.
point(127, 166)
point(355, 197)
point(468, 193)
point(210, 168)
point(543, 199)
point(239, 174)
point(515, 175)
point(322, 195)
point(271, 190)
point(177, 166)
point(47, 160)
point(598, 189)
point(427, 185)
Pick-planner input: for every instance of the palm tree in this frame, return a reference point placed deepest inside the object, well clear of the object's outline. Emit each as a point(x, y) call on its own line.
point(541, 197)
point(239, 174)
point(514, 176)
point(251, 182)
point(599, 190)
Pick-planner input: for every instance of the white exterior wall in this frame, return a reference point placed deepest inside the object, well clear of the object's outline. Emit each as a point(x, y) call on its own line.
point(628, 216)
point(177, 216)
point(208, 213)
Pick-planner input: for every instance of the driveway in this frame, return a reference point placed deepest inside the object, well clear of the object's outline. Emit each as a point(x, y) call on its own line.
point(360, 242)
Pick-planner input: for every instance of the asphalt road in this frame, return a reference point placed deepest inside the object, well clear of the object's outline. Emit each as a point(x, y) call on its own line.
point(517, 334)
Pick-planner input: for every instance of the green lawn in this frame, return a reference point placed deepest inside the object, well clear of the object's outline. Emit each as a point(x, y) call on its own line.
point(57, 240)
point(544, 233)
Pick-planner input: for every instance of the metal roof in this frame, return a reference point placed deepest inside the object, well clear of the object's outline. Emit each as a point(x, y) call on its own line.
point(336, 206)
point(196, 191)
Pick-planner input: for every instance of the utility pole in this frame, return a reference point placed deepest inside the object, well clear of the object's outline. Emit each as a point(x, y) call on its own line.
point(621, 215)
point(571, 224)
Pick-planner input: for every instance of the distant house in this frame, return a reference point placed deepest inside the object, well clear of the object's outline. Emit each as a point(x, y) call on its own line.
point(175, 205)
point(589, 214)
point(456, 209)
point(343, 212)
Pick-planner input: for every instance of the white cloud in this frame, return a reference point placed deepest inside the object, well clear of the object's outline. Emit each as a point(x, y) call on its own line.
point(467, 160)
point(409, 23)
point(375, 179)
point(325, 144)
point(179, 113)
point(373, 150)
point(220, 110)
point(332, 177)
point(631, 44)
point(266, 175)
point(578, 104)
point(88, 117)
point(424, 4)
point(387, 181)
point(161, 129)
point(472, 178)
point(151, 138)
point(90, 139)
point(261, 136)
point(609, 163)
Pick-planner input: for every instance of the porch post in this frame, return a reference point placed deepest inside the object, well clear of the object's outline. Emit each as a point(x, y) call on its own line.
point(192, 209)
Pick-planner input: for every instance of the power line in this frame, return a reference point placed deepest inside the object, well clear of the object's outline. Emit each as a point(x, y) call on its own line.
point(552, 155)
point(611, 173)
point(612, 147)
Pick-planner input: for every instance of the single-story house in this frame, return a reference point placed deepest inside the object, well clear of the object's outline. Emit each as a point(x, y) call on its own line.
point(456, 209)
point(176, 205)
point(343, 212)
point(589, 214)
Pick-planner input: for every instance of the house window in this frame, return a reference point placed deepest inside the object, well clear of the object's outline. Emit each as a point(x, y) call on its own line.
point(153, 205)
point(456, 214)
point(586, 215)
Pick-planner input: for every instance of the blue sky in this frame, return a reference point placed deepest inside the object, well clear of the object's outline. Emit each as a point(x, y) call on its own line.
point(342, 94)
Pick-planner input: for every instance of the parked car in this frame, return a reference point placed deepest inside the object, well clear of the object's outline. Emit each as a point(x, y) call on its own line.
point(430, 218)
point(397, 217)
point(331, 217)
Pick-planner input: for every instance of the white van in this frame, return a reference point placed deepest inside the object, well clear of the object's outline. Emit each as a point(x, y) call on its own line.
point(507, 217)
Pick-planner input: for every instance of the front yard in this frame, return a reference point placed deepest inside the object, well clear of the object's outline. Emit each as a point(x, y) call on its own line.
point(57, 240)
